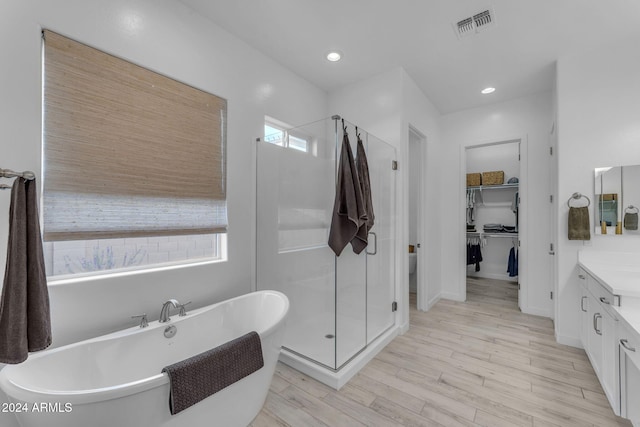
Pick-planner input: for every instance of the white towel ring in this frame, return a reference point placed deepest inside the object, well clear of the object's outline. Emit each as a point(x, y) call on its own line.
point(578, 196)
point(630, 209)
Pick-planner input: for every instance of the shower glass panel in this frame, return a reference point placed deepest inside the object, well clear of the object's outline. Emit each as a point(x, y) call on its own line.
point(336, 306)
point(380, 272)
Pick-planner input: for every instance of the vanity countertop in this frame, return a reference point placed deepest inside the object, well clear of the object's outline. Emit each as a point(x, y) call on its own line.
point(618, 272)
point(630, 316)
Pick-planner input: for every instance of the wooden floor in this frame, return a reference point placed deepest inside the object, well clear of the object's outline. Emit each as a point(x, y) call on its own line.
point(461, 364)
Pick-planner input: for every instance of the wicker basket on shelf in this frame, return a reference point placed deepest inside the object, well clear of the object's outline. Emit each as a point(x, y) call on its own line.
point(493, 178)
point(474, 179)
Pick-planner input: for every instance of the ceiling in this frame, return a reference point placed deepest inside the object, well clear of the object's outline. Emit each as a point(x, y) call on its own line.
point(516, 55)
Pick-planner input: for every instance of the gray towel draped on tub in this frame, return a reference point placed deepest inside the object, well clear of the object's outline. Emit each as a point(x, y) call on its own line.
point(202, 375)
point(349, 213)
point(579, 228)
point(25, 323)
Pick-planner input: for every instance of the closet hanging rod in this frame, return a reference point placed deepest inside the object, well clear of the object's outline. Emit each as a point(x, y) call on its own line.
point(483, 234)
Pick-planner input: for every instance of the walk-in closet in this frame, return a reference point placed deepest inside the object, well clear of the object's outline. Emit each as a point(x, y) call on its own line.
point(492, 221)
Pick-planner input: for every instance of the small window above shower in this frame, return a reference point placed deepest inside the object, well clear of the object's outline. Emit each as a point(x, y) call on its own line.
point(282, 134)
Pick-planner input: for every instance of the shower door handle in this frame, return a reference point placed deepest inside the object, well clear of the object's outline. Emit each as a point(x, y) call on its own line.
point(375, 244)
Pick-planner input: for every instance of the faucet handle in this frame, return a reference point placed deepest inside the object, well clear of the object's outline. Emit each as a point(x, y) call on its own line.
point(143, 319)
point(183, 311)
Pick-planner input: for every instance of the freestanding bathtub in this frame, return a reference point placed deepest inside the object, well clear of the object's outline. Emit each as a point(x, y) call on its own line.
point(116, 379)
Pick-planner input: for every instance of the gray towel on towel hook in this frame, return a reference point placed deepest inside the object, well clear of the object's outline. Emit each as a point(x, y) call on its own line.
point(348, 210)
point(25, 322)
point(579, 228)
point(198, 377)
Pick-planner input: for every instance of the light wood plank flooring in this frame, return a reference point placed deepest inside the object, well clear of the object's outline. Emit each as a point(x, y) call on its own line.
point(481, 362)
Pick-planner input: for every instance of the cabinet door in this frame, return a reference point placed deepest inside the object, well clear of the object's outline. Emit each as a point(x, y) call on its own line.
point(584, 316)
point(609, 367)
point(594, 335)
point(584, 312)
point(629, 347)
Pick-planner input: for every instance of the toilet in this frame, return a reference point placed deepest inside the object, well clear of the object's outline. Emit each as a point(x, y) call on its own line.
point(413, 261)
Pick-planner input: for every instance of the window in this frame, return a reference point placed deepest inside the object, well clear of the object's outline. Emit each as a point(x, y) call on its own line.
point(278, 133)
point(134, 164)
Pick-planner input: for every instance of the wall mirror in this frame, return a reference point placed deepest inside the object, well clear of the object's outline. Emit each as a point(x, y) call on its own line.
point(617, 200)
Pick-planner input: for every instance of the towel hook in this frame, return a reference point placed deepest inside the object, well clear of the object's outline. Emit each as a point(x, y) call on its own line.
point(578, 196)
point(8, 173)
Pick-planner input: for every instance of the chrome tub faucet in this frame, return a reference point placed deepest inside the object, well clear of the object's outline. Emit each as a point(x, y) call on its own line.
point(166, 307)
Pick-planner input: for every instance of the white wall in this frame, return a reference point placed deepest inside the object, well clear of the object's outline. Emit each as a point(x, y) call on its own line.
point(598, 96)
point(169, 38)
point(528, 118)
point(421, 114)
point(385, 105)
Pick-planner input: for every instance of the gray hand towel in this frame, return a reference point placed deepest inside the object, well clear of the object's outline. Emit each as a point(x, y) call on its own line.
point(25, 323)
point(631, 221)
point(360, 241)
point(204, 374)
point(348, 209)
point(579, 228)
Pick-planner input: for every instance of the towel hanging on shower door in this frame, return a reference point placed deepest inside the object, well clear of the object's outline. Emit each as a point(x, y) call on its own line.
point(348, 210)
point(360, 241)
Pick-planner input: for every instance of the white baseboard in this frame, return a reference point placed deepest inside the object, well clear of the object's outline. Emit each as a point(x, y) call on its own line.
point(496, 276)
point(433, 301)
point(570, 341)
point(452, 296)
point(537, 312)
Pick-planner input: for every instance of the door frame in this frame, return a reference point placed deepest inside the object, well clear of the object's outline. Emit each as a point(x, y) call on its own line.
point(523, 230)
point(422, 296)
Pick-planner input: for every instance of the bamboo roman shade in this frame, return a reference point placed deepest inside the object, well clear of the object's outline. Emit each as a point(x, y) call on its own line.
point(127, 152)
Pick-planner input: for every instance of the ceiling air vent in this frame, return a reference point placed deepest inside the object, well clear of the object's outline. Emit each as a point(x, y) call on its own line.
point(474, 24)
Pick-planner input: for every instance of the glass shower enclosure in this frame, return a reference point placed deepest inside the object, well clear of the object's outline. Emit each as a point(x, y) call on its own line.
point(338, 305)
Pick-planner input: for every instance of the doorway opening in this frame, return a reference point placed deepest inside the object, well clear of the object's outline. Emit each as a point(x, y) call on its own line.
point(493, 223)
point(417, 161)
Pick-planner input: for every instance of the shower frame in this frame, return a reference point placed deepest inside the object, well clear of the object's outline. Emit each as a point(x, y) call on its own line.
point(342, 308)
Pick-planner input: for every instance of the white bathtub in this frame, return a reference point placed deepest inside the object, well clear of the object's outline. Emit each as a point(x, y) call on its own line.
point(116, 379)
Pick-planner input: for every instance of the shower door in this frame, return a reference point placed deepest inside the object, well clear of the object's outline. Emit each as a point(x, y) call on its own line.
point(381, 250)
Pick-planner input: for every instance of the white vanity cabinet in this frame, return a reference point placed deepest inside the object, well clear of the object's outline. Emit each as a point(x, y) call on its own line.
point(629, 353)
point(610, 334)
point(599, 335)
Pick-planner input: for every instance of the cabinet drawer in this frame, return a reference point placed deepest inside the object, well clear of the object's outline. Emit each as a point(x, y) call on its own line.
point(604, 297)
point(583, 278)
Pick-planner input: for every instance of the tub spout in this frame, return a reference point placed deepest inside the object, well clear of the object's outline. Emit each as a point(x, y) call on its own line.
point(166, 307)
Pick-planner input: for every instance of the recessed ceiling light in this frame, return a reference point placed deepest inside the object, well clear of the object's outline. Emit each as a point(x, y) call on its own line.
point(487, 90)
point(334, 56)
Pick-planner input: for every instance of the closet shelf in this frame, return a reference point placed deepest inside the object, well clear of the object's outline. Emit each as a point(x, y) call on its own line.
point(493, 187)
